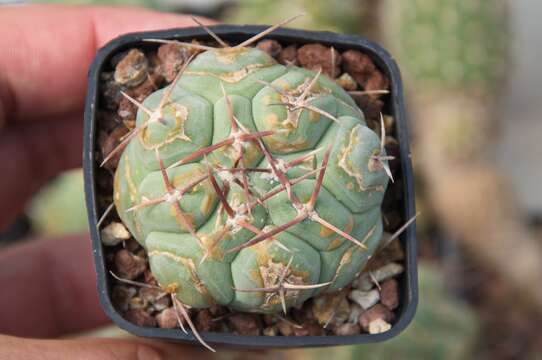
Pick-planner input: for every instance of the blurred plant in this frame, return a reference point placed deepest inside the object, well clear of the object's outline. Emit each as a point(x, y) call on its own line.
point(333, 15)
point(444, 328)
point(454, 57)
point(59, 208)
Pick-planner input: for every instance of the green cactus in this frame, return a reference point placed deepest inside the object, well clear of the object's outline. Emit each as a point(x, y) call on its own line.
point(250, 184)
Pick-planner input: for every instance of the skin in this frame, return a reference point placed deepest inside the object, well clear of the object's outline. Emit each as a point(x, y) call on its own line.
point(48, 287)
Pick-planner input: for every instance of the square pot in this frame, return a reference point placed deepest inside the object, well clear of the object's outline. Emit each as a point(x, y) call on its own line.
point(236, 34)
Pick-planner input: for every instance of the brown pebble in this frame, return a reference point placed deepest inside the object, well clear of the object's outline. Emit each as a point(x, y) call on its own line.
point(301, 331)
point(172, 57)
point(377, 81)
point(108, 120)
point(316, 56)
point(347, 329)
point(132, 69)
point(347, 82)
point(331, 309)
point(389, 294)
point(245, 324)
point(204, 320)
point(285, 328)
point(393, 252)
point(137, 303)
point(363, 70)
point(378, 311)
point(121, 296)
point(371, 107)
point(132, 245)
point(140, 317)
point(217, 310)
point(152, 83)
point(109, 143)
point(167, 319)
point(271, 47)
point(152, 295)
point(110, 91)
point(308, 330)
point(270, 331)
point(127, 110)
point(288, 55)
point(269, 319)
point(128, 265)
point(149, 277)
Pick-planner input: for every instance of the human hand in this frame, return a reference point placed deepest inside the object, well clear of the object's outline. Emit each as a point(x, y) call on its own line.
point(47, 287)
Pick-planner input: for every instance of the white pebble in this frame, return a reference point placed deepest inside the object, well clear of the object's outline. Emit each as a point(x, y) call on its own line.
point(378, 326)
point(114, 233)
point(366, 282)
point(365, 299)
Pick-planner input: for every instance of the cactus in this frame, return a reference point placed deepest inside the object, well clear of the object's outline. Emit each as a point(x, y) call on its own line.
point(250, 184)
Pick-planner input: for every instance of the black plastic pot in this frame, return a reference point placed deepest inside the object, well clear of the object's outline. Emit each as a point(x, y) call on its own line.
point(235, 34)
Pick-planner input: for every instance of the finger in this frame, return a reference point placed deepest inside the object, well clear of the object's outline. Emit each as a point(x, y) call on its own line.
point(48, 288)
point(30, 155)
point(46, 56)
point(97, 349)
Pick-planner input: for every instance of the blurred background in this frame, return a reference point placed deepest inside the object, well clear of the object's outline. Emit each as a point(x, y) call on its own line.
point(471, 74)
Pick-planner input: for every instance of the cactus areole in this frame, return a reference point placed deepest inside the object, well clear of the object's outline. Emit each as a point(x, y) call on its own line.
point(251, 184)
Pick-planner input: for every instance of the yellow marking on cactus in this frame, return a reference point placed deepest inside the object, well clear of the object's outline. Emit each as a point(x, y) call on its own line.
point(292, 120)
point(272, 120)
point(189, 264)
point(171, 288)
point(228, 55)
point(268, 99)
point(189, 217)
point(375, 164)
point(116, 187)
point(345, 259)
point(346, 164)
point(335, 243)
point(231, 77)
point(180, 114)
point(350, 185)
point(339, 239)
point(255, 276)
point(314, 116)
point(132, 188)
point(279, 145)
point(325, 232)
point(307, 164)
point(251, 155)
point(270, 272)
point(285, 85)
point(213, 249)
point(206, 205)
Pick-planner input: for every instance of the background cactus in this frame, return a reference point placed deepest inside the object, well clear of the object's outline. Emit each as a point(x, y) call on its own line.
point(251, 184)
point(449, 45)
point(456, 122)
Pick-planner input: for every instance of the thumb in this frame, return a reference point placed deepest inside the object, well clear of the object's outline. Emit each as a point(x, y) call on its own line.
point(96, 349)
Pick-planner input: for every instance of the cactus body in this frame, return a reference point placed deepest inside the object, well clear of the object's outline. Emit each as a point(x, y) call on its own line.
point(193, 216)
